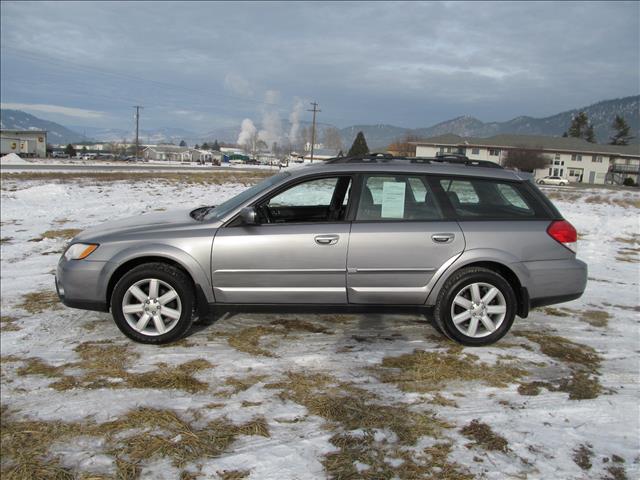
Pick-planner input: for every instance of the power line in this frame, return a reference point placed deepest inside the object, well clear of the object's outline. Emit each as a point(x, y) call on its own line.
point(313, 126)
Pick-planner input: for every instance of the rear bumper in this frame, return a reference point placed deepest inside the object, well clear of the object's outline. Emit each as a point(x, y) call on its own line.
point(555, 281)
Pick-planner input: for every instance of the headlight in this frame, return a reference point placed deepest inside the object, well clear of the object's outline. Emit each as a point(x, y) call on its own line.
point(78, 251)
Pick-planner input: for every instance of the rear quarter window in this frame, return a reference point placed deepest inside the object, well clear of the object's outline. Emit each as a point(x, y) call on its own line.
point(478, 199)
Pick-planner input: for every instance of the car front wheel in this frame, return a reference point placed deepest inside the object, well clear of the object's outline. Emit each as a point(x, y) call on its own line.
point(475, 307)
point(153, 303)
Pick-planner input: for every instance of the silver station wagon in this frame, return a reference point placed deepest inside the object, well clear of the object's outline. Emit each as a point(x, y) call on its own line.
point(468, 243)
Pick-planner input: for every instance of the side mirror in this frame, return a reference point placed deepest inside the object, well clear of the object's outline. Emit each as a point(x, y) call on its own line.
point(249, 216)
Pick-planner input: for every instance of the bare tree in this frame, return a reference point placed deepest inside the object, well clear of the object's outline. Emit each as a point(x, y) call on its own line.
point(526, 159)
point(404, 147)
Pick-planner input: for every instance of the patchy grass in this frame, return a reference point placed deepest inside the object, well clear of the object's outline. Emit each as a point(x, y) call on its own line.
point(249, 339)
point(616, 472)
point(484, 437)
point(132, 440)
point(8, 323)
point(624, 202)
point(38, 302)
point(238, 385)
point(582, 456)
point(4, 240)
point(66, 234)
point(422, 371)
point(105, 366)
point(233, 474)
point(595, 318)
point(557, 312)
point(584, 362)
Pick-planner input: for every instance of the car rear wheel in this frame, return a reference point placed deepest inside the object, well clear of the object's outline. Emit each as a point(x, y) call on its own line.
point(153, 303)
point(475, 307)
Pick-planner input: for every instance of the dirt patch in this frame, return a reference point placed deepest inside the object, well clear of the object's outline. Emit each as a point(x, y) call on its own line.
point(38, 302)
point(484, 437)
point(423, 371)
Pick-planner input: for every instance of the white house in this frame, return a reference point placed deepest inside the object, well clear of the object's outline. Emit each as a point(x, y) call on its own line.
point(26, 143)
point(571, 158)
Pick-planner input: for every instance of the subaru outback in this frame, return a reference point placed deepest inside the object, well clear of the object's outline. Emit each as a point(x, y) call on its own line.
point(469, 243)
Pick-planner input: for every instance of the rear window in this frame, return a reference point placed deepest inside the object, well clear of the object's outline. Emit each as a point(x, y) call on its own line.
point(480, 199)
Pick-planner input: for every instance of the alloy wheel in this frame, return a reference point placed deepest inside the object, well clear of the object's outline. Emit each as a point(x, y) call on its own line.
point(478, 309)
point(151, 307)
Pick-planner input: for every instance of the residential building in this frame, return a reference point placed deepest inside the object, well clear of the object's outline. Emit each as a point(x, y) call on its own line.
point(26, 143)
point(572, 158)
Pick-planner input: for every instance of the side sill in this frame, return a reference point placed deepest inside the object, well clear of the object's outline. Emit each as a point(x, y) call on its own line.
point(318, 308)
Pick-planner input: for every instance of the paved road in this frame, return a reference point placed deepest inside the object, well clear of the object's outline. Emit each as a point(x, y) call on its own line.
point(125, 168)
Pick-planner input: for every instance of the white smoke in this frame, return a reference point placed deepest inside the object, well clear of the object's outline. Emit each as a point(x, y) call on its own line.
point(247, 132)
point(271, 130)
point(294, 119)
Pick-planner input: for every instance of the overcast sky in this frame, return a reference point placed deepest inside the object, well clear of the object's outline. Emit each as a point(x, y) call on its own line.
point(204, 65)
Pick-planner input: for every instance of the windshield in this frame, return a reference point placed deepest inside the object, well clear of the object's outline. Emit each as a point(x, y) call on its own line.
point(234, 202)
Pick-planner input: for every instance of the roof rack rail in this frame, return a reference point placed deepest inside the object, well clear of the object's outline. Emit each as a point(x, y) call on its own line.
point(453, 159)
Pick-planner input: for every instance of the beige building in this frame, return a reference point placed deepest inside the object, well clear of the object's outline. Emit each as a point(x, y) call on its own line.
point(173, 153)
point(26, 143)
point(572, 158)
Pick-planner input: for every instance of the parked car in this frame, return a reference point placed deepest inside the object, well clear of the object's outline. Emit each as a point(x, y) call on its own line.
point(553, 180)
point(467, 242)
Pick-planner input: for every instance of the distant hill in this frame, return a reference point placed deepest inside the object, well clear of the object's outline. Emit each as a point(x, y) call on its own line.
point(56, 133)
point(600, 114)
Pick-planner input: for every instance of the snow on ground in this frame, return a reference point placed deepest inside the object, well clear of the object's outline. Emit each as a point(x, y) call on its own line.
point(251, 355)
point(13, 159)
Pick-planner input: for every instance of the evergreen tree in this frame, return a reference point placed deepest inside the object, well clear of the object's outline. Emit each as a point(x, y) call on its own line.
point(565, 135)
point(197, 147)
point(589, 134)
point(205, 146)
point(359, 147)
point(183, 143)
point(579, 125)
point(216, 146)
point(622, 129)
point(69, 150)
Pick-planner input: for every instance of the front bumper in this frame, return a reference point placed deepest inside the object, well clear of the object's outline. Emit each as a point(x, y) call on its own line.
point(78, 284)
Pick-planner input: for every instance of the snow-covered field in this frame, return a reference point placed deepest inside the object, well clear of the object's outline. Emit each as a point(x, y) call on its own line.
point(313, 396)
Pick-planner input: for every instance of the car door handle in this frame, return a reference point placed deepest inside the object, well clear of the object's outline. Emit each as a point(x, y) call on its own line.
point(443, 237)
point(327, 239)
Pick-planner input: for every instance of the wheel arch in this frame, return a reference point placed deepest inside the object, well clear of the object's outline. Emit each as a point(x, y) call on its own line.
point(502, 264)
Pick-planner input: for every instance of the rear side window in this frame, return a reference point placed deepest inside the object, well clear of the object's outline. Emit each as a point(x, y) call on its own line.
point(491, 199)
point(397, 197)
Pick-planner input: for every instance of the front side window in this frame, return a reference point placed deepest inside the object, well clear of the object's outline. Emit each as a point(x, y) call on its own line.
point(487, 199)
point(317, 200)
point(397, 197)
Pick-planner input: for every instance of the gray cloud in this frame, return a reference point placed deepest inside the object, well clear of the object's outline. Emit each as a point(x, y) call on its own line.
point(410, 64)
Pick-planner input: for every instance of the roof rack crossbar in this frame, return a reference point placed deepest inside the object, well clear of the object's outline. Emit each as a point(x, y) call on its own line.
point(455, 159)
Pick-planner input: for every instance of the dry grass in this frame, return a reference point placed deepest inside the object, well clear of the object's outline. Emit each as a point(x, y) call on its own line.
point(189, 178)
point(38, 302)
point(105, 366)
point(249, 339)
point(557, 312)
point(4, 240)
point(615, 472)
point(583, 361)
point(422, 371)
point(595, 318)
point(582, 456)
point(132, 440)
point(238, 385)
point(625, 202)
point(233, 474)
point(66, 234)
point(352, 408)
point(484, 437)
point(8, 323)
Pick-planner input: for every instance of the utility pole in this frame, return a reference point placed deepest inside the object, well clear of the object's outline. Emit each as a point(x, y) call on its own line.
point(313, 127)
point(137, 107)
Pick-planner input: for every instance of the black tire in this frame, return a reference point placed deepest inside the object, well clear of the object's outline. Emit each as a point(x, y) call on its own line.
point(172, 276)
point(454, 284)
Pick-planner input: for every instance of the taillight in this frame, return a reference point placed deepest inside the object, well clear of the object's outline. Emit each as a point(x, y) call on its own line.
point(563, 232)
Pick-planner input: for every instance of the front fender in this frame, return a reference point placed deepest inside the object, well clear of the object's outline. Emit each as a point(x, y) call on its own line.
point(477, 255)
point(157, 250)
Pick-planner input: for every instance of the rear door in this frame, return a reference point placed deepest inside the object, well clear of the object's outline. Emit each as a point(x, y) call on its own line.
point(399, 240)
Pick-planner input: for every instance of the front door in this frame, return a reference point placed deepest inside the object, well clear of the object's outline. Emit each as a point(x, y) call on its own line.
point(297, 254)
point(398, 241)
